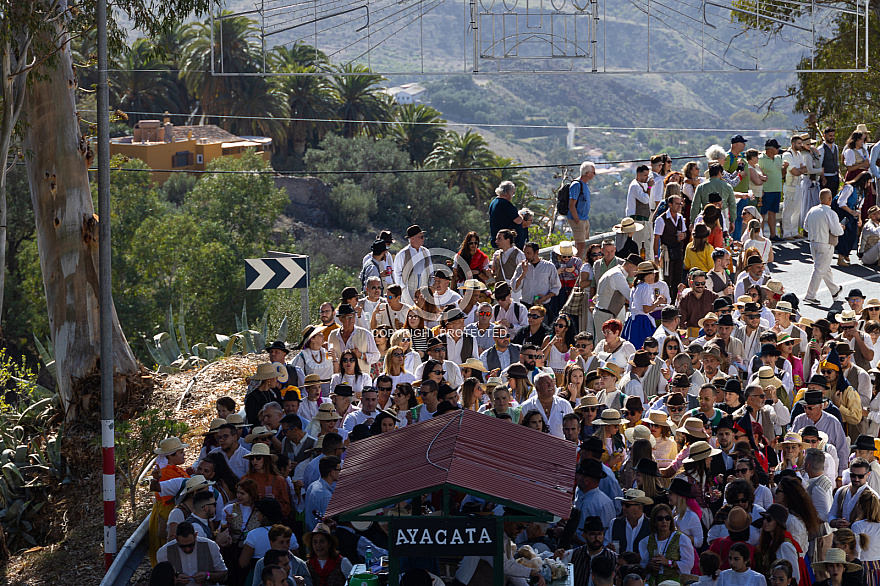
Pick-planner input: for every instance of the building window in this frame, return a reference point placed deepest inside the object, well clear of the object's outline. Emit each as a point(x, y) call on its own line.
point(200, 159)
point(182, 159)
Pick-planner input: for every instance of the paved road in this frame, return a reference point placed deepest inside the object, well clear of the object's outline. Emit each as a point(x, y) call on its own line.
point(793, 265)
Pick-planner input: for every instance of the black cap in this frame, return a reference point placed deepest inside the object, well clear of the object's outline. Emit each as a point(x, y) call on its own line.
point(343, 390)
point(855, 293)
point(442, 274)
point(811, 431)
point(738, 138)
point(502, 290)
point(769, 350)
point(771, 142)
point(444, 390)
point(277, 345)
point(720, 303)
point(592, 444)
point(344, 309)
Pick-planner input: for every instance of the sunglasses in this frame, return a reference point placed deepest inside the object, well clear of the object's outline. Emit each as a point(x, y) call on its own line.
point(741, 470)
point(676, 409)
point(857, 476)
point(565, 257)
point(592, 409)
point(762, 395)
point(484, 313)
point(347, 360)
point(190, 546)
point(753, 316)
point(827, 372)
point(628, 505)
point(397, 354)
point(438, 372)
point(391, 296)
point(559, 325)
point(740, 501)
point(664, 518)
point(535, 316)
point(425, 393)
point(847, 327)
point(581, 345)
point(699, 283)
point(676, 347)
point(474, 242)
point(653, 353)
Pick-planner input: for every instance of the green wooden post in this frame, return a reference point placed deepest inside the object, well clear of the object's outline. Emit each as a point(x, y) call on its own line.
point(498, 566)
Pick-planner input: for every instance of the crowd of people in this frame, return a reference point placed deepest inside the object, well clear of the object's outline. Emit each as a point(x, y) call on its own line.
point(720, 436)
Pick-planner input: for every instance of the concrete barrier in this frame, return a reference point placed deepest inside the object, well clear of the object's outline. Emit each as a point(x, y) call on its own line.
point(129, 559)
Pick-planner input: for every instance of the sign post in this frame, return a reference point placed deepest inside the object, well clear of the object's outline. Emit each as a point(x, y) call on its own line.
point(281, 270)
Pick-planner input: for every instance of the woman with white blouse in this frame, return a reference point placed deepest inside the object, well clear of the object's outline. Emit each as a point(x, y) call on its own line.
point(411, 358)
point(682, 502)
point(867, 528)
point(314, 358)
point(350, 372)
point(739, 573)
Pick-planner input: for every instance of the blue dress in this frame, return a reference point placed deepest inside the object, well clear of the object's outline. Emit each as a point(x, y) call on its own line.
point(639, 325)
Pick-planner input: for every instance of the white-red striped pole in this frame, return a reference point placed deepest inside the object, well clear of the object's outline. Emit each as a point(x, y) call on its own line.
point(106, 296)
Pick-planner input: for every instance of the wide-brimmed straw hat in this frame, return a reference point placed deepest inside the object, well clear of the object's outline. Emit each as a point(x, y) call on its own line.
point(610, 368)
point(700, 451)
point(766, 376)
point(565, 248)
point(236, 419)
point(261, 450)
point(609, 417)
point(587, 401)
point(215, 426)
point(658, 418)
point(473, 364)
point(836, 556)
point(639, 432)
point(793, 439)
point(634, 495)
point(327, 412)
point(711, 316)
point(194, 483)
point(258, 432)
point(693, 426)
point(169, 445)
point(646, 268)
point(267, 371)
point(628, 226)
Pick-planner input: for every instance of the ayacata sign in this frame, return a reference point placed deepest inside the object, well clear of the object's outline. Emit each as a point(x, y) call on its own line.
point(427, 536)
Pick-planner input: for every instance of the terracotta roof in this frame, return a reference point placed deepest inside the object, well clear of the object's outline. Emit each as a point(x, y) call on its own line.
point(208, 132)
point(465, 450)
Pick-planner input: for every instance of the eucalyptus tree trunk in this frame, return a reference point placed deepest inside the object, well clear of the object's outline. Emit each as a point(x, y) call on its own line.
point(58, 157)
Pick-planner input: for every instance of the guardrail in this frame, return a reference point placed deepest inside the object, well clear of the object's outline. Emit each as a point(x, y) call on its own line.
point(129, 559)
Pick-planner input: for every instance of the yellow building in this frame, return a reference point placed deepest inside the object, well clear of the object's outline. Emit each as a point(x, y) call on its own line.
point(169, 148)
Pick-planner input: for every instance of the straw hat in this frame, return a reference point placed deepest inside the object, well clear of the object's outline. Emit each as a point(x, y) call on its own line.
point(836, 556)
point(639, 432)
point(492, 383)
point(261, 450)
point(805, 323)
point(711, 316)
point(873, 302)
point(323, 530)
point(774, 286)
point(628, 226)
point(215, 426)
point(473, 285)
point(312, 379)
point(700, 451)
point(474, 364)
point(783, 338)
point(846, 317)
point(783, 306)
point(588, 401)
point(610, 368)
point(327, 412)
point(766, 377)
point(742, 300)
point(634, 495)
point(258, 432)
point(609, 417)
point(646, 268)
point(693, 426)
point(659, 418)
point(267, 371)
point(565, 248)
point(194, 483)
point(282, 372)
point(236, 419)
point(791, 438)
point(863, 129)
point(169, 445)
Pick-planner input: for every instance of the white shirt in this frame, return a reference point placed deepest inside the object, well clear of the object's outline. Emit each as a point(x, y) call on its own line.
point(660, 223)
point(357, 382)
point(849, 501)
point(637, 192)
point(517, 318)
point(849, 156)
point(238, 463)
point(656, 189)
point(189, 560)
point(454, 349)
point(558, 409)
point(259, 540)
point(450, 297)
point(748, 578)
point(613, 280)
point(794, 160)
point(872, 530)
point(383, 311)
point(421, 266)
point(452, 376)
point(691, 526)
point(631, 533)
point(357, 417)
point(360, 339)
point(821, 222)
point(503, 358)
point(685, 547)
point(505, 256)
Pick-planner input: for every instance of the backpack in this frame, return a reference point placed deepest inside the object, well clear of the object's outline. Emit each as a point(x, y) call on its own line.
point(497, 310)
point(562, 199)
point(363, 276)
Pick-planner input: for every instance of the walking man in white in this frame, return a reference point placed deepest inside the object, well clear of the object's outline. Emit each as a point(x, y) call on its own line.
point(794, 170)
point(821, 224)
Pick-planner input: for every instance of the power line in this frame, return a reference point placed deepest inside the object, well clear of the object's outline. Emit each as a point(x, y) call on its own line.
point(477, 124)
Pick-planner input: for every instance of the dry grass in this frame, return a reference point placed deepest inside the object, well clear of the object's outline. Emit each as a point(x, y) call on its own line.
point(73, 522)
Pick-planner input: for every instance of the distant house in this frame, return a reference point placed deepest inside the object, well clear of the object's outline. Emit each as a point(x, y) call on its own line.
point(165, 146)
point(408, 93)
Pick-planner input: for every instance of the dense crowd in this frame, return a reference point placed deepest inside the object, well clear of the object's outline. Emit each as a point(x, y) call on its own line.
point(721, 437)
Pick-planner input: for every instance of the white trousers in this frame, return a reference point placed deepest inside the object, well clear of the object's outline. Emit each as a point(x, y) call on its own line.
point(872, 255)
point(791, 210)
point(822, 255)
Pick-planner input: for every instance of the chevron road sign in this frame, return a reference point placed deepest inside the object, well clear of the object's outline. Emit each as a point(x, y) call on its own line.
point(277, 273)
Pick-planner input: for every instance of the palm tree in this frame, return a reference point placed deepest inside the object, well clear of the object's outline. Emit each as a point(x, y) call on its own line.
point(260, 109)
point(300, 54)
point(171, 45)
point(235, 51)
point(142, 83)
point(359, 100)
point(509, 171)
point(463, 153)
point(418, 129)
point(308, 96)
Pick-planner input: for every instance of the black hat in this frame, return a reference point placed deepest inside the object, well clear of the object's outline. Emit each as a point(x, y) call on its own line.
point(864, 442)
point(769, 350)
point(277, 345)
point(591, 468)
point(413, 230)
point(593, 523)
point(725, 423)
point(679, 380)
point(453, 314)
point(668, 312)
point(714, 198)
point(649, 467)
point(754, 260)
point(720, 303)
point(640, 359)
point(359, 432)
point(738, 138)
point(776, 512)
point(517, 370)
point(344, 309)
point(433, 342)
point(444, 390)
point(726, 320)
point(634, 259)
point(271, 509)
point(811, 431)
point(751, 307)
point(818, 379)
point(854, 293)
point(791, 298)
point(343, 390)
point(733, 386)
point(843, 349)
point(502, 290)
point(681, 487)
point(445, 407)
point(348, 293)
point(379, 246)
point(675, 399)
point(442, 274)
point(386, 236)
point(592, 444)
point(771, 142)
point(701, 231)
point(813, 398)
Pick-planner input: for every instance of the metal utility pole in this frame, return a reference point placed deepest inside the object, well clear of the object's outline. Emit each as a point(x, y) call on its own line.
point(106, 300)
